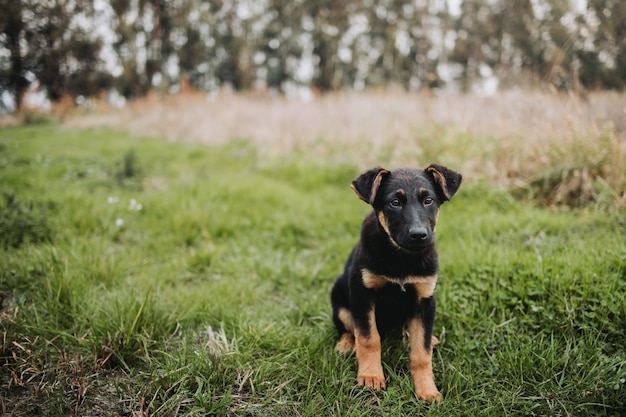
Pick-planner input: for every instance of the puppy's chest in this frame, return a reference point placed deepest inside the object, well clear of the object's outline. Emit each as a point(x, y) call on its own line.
point(424, 285)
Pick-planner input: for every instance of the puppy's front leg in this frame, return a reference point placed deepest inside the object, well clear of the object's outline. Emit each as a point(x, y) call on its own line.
point(367, 340)
point(421, 359)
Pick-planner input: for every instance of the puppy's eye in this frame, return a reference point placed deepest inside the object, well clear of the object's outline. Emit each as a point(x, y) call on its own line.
point(395, 203)
point(428, 201)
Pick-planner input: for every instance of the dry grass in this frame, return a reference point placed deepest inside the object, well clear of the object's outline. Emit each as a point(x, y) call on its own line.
point(511, 139)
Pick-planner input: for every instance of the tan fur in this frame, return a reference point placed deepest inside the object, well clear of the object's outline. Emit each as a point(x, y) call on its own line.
point(441, 180)
point(370, 373)
point(425, 285)
point(383, 222)
point(420, 364)
point(346, 318)
point(371, 280)
point(345, 343)
point(375, 186)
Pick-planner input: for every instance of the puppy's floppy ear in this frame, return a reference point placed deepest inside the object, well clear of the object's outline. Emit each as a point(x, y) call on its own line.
point(447, 180)
point(367, 184)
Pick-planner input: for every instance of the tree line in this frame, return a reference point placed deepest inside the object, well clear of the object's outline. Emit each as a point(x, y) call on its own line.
point(84, 47)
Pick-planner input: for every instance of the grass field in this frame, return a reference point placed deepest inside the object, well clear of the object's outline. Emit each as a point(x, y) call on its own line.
point(141, 277)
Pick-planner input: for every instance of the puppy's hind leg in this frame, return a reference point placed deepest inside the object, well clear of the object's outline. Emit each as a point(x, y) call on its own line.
point(346, 342)
point(342, 317)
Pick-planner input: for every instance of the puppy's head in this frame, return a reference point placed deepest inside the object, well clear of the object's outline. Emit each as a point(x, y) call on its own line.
point(407, 200)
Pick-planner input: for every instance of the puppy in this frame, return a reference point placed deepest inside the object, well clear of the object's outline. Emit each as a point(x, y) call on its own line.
point(389, 278)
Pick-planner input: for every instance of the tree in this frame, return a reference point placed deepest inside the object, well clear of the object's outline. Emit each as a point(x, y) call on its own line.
point(609, 42)
point(46, 40)
point(281, 41)
point(12, 72)
point(193, 48)
point(518, 51)
point(346, 43)
point(329, 20)
point(474, 39)
point(131, 38)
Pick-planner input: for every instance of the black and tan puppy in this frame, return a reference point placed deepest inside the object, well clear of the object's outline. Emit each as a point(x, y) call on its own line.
point(390, 277)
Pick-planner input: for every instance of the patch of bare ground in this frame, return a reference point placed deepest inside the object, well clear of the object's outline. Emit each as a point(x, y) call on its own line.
point(510, 139)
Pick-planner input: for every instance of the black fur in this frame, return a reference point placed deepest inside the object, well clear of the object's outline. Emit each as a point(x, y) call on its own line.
point(397, 242)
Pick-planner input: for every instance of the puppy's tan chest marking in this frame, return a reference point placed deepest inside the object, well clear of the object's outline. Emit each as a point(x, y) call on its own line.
point(425, 285)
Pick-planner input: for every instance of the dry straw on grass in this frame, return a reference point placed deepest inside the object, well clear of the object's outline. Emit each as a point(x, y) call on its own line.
point(511, 139)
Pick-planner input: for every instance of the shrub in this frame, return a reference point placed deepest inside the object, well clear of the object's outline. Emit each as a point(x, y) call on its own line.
point(22, 223)
point(591, 170)
point(128, 173)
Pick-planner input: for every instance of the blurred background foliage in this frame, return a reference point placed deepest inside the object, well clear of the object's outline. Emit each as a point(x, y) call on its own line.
point(91, 47)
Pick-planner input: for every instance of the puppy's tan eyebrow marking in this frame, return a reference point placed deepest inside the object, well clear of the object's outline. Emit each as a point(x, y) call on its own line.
point(401, 193)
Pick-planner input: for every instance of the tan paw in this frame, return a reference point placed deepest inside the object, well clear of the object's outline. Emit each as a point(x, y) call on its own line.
point(430, 396)
point(375, 381)
point(345, 343)
point(434, 342)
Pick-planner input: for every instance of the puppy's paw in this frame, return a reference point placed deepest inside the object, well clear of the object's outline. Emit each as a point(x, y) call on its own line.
point(430, 396)
point(374, 381)
point(425, 388)
point(345, 343)
point(434, 342)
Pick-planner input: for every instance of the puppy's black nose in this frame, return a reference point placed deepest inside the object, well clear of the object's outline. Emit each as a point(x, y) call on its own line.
point(418, 233)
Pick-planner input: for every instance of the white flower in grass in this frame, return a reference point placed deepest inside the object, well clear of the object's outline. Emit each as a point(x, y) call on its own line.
point(112, 199)
point(134, 205)
point(119, 222)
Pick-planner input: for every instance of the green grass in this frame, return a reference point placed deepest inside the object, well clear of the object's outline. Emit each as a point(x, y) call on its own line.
point(213, 298)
